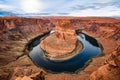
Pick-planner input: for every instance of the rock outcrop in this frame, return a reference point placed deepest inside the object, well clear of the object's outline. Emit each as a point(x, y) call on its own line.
point(62, 42)
point(16, 28)
point(111, 69)
point(26, 73)
point(24, 78)
point(105, 27)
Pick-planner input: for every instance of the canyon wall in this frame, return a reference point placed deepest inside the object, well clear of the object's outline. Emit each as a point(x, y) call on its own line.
point(111, 68)
point(16, 28)
point(105, 27)
point(15, 32)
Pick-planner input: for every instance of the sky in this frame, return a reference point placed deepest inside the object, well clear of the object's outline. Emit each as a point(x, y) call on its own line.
point(60, 7)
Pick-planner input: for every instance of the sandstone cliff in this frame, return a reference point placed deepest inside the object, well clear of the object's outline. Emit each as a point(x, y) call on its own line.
point(25, 25)
point(16, 26)
point(111, 69)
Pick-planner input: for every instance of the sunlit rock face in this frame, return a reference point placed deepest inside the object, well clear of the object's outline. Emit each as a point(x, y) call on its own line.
point(62, 41)
point(24, 78)
point(111, 69)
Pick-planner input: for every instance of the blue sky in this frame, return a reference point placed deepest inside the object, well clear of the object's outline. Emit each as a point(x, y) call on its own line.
point(61, 7)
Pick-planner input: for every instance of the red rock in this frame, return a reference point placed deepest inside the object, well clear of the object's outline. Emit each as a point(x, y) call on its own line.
point(24, 78)
point(111, 69)
point(62, 41)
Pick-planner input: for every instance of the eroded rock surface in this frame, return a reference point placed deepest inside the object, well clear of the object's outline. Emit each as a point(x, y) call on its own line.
point(15, 32)
point(111, 69)
point(27, 73)
point(62, 41)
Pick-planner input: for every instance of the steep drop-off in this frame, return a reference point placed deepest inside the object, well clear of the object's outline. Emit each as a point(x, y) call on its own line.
point(111, 68)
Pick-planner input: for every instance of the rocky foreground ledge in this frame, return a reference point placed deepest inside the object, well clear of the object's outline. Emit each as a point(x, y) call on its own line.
point(111, 68)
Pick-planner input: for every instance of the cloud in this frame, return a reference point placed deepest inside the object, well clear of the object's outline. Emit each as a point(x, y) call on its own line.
point(106, 11)
point(116, 4)
point(104, 1)
point(61, 7)
point(31, 6)
point(83, 7)
point(95, 6)
point(6, 7)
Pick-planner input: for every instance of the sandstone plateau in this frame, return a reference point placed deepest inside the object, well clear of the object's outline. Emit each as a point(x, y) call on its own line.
point(16, 32)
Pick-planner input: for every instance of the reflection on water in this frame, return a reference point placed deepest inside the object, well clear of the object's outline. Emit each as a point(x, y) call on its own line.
point(91, 40)
point(91, 49)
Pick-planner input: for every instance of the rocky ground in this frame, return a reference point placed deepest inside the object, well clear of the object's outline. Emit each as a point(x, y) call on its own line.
point(111, 68)
point(16, 32)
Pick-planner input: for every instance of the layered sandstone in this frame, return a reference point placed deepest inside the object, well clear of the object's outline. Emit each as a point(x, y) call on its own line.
point(27, 73)
point(111, 69)
point(62, 42)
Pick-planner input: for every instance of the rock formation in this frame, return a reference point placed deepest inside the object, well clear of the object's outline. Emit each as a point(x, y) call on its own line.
point(110, 70)
point(24, 78)
point(62, 41)
point(26, 73)
point(58, 42)
point(109, 27)
point(15, 30)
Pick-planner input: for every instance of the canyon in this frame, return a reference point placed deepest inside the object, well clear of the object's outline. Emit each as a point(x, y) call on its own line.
point(16, 32)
